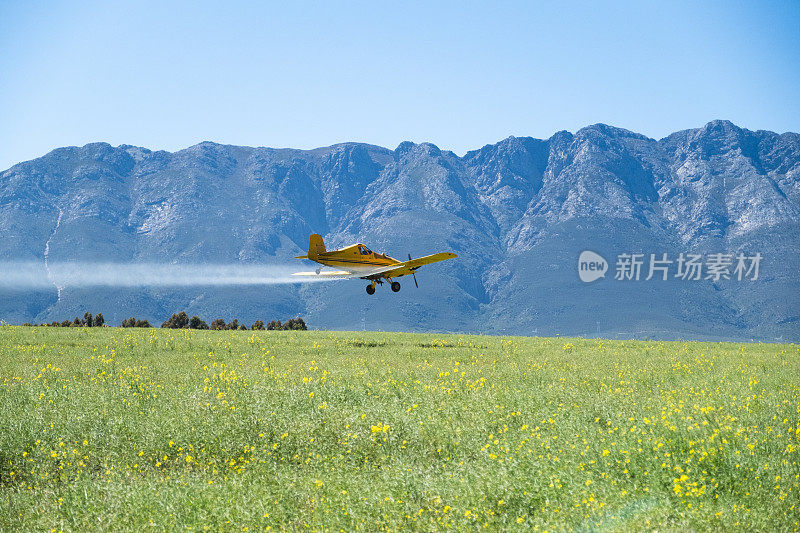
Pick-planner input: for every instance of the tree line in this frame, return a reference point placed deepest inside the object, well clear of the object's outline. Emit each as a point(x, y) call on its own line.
point(181, 321)
point(88, 320)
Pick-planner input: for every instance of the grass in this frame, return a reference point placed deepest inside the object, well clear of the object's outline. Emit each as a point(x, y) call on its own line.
point(132, 429)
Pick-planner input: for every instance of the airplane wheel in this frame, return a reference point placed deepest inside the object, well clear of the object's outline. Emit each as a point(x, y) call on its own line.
point(395, 286)
point(370, 289)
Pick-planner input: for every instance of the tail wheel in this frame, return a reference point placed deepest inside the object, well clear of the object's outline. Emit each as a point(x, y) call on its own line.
point(370, 289)
point(395, 286)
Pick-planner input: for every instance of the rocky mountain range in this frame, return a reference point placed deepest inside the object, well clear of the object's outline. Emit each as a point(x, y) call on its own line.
point(519, 213)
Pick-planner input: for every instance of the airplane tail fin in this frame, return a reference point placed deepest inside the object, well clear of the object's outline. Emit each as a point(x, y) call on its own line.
point(316, 246)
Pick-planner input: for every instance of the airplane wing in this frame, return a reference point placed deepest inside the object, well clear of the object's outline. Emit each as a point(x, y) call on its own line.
point(409, 267)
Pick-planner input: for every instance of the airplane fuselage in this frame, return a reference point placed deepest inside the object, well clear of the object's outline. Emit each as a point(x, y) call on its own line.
point(355, 257)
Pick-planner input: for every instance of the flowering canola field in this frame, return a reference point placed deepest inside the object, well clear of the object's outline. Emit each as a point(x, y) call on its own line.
point(133, 429)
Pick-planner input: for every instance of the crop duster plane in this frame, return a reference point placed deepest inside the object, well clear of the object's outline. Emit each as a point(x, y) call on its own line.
point(358, 261)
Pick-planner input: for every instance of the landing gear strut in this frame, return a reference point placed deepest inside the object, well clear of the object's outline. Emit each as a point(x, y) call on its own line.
point(395, 286)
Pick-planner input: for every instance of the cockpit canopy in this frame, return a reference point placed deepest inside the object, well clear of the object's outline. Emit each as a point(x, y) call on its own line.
point(364, 250)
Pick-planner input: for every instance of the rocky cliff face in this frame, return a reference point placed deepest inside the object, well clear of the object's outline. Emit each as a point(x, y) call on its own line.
point(518, 213)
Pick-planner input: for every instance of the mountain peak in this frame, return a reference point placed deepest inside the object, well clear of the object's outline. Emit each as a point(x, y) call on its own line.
point(608, 131)
point(403, 148)
point(721, 125)
point(426, 148)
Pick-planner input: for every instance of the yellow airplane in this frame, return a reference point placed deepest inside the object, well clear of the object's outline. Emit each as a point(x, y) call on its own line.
point(361, 262)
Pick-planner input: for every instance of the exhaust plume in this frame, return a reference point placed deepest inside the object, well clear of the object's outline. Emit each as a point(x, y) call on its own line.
point(37, 275)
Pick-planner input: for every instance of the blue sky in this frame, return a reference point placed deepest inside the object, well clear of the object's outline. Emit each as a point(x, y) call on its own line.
point(167, 75)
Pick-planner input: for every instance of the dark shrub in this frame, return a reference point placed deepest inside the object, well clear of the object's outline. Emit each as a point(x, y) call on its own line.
point(99, 320)
point(133, 323)
point(258, 325)
point(177, 321)
point(274, 325)
point(234, 324)
point(295, 324)
point(196, 323)
point(218, 324)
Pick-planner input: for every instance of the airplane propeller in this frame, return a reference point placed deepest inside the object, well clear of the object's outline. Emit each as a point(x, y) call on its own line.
point(413, 274)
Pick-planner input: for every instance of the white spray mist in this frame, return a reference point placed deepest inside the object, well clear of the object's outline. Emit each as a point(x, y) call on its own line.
point(32, 275)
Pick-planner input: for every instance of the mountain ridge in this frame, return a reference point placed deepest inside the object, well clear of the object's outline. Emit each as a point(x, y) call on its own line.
point(509, 209)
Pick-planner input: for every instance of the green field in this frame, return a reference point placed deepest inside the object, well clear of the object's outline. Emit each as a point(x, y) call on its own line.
point(135, 429)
